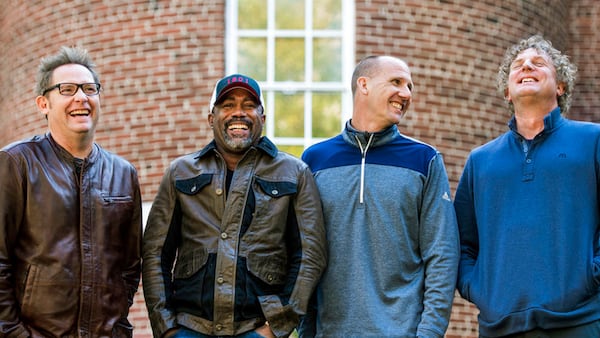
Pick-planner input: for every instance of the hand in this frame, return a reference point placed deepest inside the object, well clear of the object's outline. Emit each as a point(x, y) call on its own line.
point(265, 331)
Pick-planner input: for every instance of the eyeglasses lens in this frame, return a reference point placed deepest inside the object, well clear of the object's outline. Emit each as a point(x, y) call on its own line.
point(70, 89)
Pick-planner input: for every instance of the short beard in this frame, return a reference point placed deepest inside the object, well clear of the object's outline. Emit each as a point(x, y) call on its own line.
point(238, 145)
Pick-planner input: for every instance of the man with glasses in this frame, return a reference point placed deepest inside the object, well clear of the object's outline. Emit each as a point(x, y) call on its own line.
point(70, 217)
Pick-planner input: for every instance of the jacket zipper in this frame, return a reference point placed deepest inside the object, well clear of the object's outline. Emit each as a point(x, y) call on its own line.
point(363, 153)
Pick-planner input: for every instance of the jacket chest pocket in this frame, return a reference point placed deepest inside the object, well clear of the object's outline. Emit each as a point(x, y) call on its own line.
point(273, 197)
point(192, 186)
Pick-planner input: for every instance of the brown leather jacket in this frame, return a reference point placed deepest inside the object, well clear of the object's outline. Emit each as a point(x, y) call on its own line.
point(70, 246)
point(222, 261)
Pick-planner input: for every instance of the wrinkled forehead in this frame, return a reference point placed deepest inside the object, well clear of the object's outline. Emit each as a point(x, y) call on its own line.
point(397, 71)
point(389, 66)
point(531, 52)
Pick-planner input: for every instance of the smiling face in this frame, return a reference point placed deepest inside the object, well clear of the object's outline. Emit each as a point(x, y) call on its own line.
point(237, 122)
point(70, 118)
point(383, 97)
point(532, 78)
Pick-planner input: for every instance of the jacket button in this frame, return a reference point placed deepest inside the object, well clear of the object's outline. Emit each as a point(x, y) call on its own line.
point(274, 191)
point(219, 327)
point(219, 192)
point(270, 278)
point(220, 280)
point(224, 235)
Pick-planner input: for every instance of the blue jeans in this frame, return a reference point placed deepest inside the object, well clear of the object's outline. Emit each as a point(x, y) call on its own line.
point(184, 332)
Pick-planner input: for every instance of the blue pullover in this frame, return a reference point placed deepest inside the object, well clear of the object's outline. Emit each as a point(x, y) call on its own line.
point(529, 219)
point(392, 237)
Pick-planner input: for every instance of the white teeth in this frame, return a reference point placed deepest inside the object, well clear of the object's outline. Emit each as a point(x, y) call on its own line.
point(238, 126)
point(397, 105)
point(79, 112)
point(528, 80)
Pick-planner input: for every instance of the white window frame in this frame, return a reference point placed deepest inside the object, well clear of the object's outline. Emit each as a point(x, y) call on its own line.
point(346, 33)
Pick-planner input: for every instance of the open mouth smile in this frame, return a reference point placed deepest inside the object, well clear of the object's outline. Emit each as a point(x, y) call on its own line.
point(237, 126)
point(80, 112)
point(527, 79)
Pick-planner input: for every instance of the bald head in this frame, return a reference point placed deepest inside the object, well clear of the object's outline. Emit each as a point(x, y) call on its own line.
point(370, 66)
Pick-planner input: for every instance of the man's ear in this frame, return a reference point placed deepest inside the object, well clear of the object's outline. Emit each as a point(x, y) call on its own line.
point(560, 89)
point(211, 118)
point(43, 104)
point(507, 95)
point(361, 84)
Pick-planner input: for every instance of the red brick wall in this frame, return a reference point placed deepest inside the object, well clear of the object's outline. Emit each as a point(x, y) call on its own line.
point(158, 61)
point(138, 316)
point(584, 48)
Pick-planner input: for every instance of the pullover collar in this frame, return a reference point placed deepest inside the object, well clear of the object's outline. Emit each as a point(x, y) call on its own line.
point(362, 138)
point(364, 141)
point(551, 121)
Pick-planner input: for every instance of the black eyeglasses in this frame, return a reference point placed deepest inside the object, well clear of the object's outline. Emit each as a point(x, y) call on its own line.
point(69, 89)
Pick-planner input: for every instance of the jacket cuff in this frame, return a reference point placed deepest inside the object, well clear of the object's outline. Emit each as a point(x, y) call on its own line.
point(162, 322)
point(19, 332)
point(282, 318)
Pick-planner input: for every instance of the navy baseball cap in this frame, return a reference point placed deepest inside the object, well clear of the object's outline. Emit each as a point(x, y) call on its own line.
point(230, 82)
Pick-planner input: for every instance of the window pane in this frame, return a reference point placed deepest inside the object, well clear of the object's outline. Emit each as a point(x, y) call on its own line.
point(252, 57)
point(294, 150)
point(327, 112)
point(289, 14)
point(252, 14)
point(327, 14)
point(289, 115)
point(327, 60)
point(289, 59)
point(270, 44)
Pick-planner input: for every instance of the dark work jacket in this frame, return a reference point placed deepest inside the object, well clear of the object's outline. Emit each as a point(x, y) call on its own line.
point(70, 246)
point(221, 263)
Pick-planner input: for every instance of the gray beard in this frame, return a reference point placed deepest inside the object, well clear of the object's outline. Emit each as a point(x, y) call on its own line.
point(238, 144)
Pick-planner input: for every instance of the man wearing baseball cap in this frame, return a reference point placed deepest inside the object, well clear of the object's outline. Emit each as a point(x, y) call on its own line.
point(234, 244)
